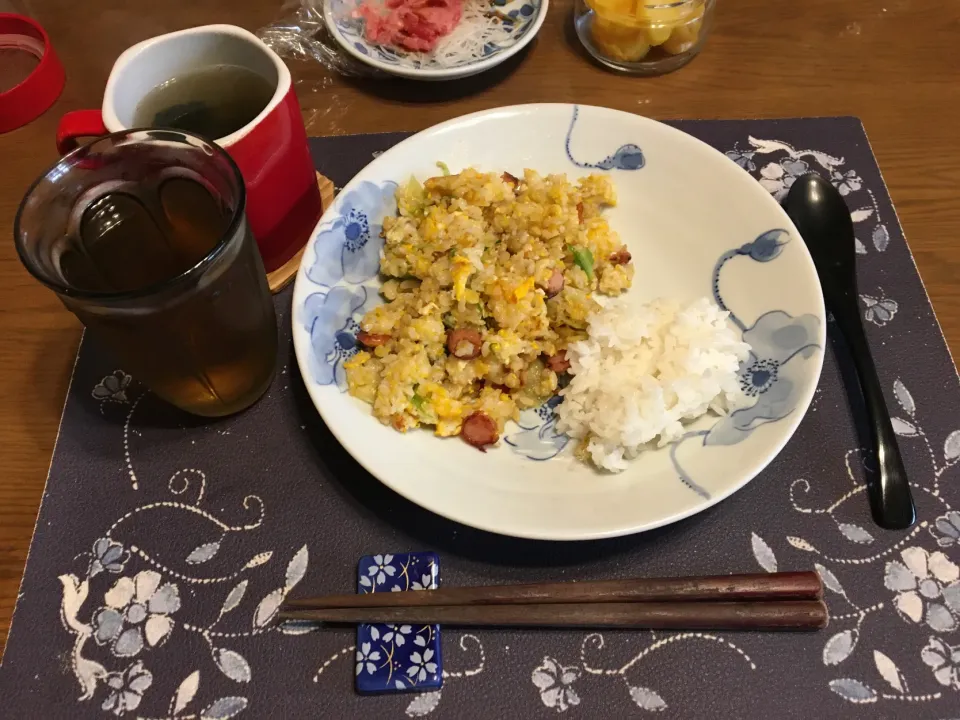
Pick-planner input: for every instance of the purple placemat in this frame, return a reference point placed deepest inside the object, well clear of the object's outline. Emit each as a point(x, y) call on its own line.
point(164, 543)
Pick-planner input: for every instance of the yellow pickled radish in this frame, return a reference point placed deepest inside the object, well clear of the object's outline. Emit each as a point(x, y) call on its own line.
point(619, 42)
point(682, 38)
point(658, 34)
point(685, 36)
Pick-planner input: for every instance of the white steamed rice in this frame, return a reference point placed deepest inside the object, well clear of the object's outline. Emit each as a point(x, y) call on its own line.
point(644, 372)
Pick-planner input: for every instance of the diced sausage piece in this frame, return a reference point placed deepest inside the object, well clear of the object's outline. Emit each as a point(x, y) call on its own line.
point(372, 339)
point(580, 212)
point(559, 363)
point(479, 430)
point(510, 179)
point(554, 284)
point(621, 256)
point(464, 343)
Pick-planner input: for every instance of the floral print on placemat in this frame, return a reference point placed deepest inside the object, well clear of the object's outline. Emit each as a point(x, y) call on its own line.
point(165, 547)
point(138, 612)
point(922, 585)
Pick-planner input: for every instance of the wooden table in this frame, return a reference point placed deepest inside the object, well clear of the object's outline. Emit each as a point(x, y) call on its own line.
point(893, 63)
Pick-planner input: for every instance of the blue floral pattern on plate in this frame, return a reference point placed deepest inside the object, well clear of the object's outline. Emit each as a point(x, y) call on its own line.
point(398, 658)
point(626, 157)
point(772, 374)
point(779, 345)
point(346, 250)
point(349, 31)
point(332, 319)
point(348, 247)
point(538, 438)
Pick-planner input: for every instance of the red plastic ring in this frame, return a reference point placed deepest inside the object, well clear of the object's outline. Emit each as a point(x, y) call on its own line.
point(34, 96)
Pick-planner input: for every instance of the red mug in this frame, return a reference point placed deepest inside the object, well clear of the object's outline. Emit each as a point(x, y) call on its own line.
point(283, 200)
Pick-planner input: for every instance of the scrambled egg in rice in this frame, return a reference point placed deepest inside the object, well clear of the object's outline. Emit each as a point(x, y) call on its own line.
point(488, 278)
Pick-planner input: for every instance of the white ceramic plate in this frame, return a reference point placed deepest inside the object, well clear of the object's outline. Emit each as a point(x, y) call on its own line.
point(528, 16)
point(696, 224)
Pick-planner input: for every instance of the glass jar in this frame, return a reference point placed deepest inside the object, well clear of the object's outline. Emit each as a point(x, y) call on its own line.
point(643, 37)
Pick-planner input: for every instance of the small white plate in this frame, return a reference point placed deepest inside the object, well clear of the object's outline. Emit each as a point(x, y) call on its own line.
point(696, 224)
point(528, 15)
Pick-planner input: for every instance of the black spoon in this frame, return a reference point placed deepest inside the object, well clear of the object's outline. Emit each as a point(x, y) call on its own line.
point(824, 222)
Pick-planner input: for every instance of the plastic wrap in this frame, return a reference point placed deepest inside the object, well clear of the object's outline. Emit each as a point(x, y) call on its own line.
point(302, 34)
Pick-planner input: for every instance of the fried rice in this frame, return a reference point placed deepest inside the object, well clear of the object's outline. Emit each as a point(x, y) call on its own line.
point(487, 279)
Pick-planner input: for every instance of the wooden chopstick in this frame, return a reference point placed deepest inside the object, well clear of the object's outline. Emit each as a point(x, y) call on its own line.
point(764, 586)
point(750, 615)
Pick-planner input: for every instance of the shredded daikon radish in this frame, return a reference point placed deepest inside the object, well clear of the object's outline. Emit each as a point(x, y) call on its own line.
point(465, 43)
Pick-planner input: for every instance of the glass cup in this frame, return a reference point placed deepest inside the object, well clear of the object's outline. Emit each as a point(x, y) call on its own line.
point(643, 37)
point(142, 235)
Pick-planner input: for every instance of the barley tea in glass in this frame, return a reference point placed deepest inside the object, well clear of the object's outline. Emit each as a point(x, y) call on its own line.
point(143, 237)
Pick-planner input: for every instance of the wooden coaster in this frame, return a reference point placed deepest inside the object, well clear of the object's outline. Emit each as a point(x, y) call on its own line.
point(281, 277)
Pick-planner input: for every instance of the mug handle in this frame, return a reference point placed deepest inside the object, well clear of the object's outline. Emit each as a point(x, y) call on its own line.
point(78, 124)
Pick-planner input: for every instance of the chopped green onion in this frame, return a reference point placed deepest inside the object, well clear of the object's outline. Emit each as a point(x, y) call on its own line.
point(443, 167)
point(583, 258)
point(449, 321)
point(417, 402)
point(415, 197)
